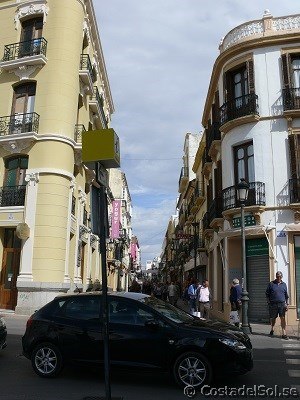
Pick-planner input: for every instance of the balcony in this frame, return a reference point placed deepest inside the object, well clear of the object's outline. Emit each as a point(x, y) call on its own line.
point(183, 179)
point(243, 108)
point(19, 124)
point(87, 74)
point(79, 128)
point(96, 105)
point(215, 211)
point(73, 207)
point(294, 189)
point(291, 100)
point(12, 196)
point(213, 139)
point(256, 196)
point(206, 163)
point(27, 53)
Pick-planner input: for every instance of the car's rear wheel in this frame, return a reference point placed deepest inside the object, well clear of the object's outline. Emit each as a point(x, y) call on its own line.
point(46, 360)
point(192, 369)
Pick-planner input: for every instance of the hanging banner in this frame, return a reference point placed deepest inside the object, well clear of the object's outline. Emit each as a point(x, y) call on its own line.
point(116, 216)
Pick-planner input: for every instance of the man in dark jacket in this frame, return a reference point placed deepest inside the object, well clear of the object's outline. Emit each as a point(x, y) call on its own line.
point(277, 298)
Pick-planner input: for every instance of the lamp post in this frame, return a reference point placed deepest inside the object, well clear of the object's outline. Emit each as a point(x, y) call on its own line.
point(242, 194)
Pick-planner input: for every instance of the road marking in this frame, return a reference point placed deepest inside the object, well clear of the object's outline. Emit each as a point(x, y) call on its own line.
point(291, 345)
point(294, 373)
point(292, 352)
point(293, 361)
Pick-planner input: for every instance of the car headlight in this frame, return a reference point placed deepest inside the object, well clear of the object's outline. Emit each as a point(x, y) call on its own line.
point(235, 344)
point(2, 322)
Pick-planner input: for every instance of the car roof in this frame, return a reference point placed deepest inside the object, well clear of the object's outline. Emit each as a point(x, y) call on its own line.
point(127, 295)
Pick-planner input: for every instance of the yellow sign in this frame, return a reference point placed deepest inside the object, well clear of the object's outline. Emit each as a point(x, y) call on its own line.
point(101, 145)
point(23, 231)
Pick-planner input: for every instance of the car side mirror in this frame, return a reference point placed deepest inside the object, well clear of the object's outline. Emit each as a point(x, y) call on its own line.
point(152, 323)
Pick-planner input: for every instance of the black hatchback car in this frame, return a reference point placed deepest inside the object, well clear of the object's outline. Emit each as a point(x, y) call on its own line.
point(144, 332)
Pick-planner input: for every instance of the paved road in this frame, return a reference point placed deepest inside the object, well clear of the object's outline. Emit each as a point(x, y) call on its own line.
point(277, 362)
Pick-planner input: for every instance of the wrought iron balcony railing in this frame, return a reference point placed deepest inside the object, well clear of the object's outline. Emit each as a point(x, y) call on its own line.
point(96, 97)
point(79, 128)
point(291, 99)
point(239, 107)
point(25, 49)
point(215, 209)
point(256, 196)
point(19, 123)
point(73, 205)
point(85, 218)
point(12, 196)
point(294, 186)
point(206, 158)
point(85, 64)
point(212, 133)
point(198, 243)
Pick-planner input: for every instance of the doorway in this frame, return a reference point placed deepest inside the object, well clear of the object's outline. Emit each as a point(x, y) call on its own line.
point(10, 269)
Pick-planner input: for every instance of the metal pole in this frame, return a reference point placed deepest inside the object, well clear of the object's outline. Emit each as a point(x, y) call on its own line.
point(245, 299)
point(105, 332)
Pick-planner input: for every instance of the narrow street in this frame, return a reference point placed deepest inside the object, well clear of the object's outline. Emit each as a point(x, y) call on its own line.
point(276, 362)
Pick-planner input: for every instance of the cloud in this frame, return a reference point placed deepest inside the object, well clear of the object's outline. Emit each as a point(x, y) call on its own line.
point(159, 57)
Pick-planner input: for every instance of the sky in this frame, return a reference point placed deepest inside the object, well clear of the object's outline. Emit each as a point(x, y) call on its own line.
point(159, 56)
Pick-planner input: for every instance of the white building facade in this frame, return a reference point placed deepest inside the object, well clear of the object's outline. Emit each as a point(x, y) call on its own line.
point(252, 128)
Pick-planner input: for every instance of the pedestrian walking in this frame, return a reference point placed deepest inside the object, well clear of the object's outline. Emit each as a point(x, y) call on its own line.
point(204, 298)
point(277, 298)
point(172, 293)
point(192, 293)
point(235, 299)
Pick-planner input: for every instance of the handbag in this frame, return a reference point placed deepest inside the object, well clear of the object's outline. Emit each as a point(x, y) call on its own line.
point(234, 317)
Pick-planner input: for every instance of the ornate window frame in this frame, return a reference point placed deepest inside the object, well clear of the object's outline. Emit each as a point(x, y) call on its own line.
point(32, 8)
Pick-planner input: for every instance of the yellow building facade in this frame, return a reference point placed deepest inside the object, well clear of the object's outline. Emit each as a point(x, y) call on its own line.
point(53, 86)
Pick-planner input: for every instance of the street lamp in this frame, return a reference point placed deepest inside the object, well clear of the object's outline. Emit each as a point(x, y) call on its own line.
point(242, 195)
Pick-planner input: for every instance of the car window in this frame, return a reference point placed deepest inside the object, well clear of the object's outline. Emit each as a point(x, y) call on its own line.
point(167, 310)
point(124, 312)
point(81, 307)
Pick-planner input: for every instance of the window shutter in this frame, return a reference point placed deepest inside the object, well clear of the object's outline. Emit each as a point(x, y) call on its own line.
point(285, 64)
point(250, 70)
point(294, 147)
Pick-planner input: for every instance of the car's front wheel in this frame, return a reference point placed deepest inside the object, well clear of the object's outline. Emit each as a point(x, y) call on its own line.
point(46, 360)
point(192, 369)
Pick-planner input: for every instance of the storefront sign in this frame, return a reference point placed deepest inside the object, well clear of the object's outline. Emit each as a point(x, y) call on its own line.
point(249, 221)
point(257, 247)
point(115, 222)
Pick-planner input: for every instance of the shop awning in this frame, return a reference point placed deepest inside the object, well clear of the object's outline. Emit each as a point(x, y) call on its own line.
point(249, 230)
point(292, 227)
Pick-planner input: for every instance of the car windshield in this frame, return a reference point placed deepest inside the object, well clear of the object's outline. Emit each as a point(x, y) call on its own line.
point(167, 310)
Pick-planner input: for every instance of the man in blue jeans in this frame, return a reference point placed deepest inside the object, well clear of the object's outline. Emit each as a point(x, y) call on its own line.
point(277, 298)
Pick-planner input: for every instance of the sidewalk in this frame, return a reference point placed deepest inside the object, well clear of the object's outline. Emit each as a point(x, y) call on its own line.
point(293, 331)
